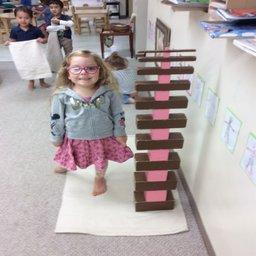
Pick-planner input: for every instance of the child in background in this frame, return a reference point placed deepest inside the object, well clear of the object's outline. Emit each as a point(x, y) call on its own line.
point(87, 119)
point(125, 76)
point(43, 14)
point(62, 24)
point(26, 31)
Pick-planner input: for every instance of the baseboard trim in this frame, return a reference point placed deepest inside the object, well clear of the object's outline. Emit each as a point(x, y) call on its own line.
point(196, 213)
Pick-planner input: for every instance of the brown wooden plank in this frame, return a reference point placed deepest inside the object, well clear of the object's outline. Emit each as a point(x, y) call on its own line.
point(142, 205)
point(169, 71)
point(155, 86)
point(146, 121)
point(141, 183)
point(151, 103)
point(167, 59)
point(142, 162)
point(144, 141)
point(140, 54)
point(173, 50)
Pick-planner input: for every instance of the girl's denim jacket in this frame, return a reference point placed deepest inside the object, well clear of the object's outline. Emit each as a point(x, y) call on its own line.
point(76, 118)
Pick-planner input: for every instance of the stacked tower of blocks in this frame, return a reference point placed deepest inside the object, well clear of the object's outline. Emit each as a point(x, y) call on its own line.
point(154, 176)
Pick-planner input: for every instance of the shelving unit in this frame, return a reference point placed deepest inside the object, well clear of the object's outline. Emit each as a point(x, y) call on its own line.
point(233, 4)
point(186, 6)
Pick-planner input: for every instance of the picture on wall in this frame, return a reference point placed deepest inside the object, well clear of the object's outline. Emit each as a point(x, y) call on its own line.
point(211, 109)
point(162, 37)
point(248, 161)
point(197, 89)
point(230, 130)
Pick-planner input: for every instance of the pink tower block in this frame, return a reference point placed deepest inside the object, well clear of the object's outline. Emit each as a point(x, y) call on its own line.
point(158, 134)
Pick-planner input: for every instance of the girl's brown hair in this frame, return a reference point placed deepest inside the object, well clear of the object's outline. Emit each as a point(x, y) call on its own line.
point(116, 61)
point(105, 75)
point(23, 9)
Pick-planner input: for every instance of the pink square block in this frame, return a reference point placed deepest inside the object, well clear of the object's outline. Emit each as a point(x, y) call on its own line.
point(158, 155)
point(157, 175)
point(155, 196)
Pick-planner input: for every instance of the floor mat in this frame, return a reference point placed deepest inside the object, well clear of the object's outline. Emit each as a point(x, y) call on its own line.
point(113, 213)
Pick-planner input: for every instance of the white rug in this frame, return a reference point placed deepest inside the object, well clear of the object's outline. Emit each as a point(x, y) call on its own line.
point(113, 213)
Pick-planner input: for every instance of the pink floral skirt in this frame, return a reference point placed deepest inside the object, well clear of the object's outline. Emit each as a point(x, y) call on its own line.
point(82, 153)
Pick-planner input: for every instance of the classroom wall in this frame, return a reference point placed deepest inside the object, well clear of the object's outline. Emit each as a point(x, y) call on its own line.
point(224, 194)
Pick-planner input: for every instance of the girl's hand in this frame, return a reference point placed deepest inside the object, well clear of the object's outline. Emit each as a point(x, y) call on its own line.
point(122, 140)
point(8, 42)
point(41, 40)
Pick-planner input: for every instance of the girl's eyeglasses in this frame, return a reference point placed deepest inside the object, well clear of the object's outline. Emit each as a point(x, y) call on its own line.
point(76, 70)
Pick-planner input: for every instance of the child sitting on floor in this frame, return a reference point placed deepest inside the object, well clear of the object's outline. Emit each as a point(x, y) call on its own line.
point(125, 76)
point(87, 119)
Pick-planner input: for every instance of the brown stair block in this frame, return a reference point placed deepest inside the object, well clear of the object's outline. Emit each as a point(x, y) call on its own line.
point(140, 54)
point(146, 121)
point(142, 162)
point(168, 71)
point(166, 59)
point(144, 141)
point(141, 184)
point(141, 205)
point(155, 86)
point(151, 103)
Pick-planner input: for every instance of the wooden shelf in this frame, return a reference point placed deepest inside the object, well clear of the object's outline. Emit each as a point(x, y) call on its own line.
point(186, 6)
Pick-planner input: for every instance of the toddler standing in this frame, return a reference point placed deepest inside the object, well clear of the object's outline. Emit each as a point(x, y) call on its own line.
point(62, 24)
point(125, 76)
point(87, 119)
point(26, 31)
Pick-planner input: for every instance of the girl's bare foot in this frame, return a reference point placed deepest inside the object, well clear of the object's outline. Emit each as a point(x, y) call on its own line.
point(31, 85)
point(100, 186)
point(60, 169)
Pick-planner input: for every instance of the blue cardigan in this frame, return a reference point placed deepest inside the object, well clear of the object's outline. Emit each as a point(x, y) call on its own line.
point(72, 116)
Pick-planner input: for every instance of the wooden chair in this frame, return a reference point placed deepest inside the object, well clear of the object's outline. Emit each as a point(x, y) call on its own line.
point(80, 23)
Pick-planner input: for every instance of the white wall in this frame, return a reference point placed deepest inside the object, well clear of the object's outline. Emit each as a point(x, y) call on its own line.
point(140, 8)
point(225, 196)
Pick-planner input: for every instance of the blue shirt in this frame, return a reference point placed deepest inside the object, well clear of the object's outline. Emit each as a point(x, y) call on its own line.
point(67, 32)
point(100, 118)
point(19, 34)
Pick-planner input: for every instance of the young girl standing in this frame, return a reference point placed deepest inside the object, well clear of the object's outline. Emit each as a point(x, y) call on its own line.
point(87, 120)
point(26, 31)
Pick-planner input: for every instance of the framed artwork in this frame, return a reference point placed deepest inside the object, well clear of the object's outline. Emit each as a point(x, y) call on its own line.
point(248, 161)
point(230, 130)
point(162, 37)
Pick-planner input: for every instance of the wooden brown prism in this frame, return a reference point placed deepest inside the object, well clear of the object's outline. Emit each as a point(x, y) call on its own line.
point(144, 141)
point(141, 184)
point(174, 85)
point(141, 205)
point(154, 178)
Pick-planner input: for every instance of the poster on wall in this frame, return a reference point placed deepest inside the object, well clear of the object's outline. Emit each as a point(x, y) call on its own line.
point(248, 161)
point(211, 109)
point(197, 89)
point(230, 130)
